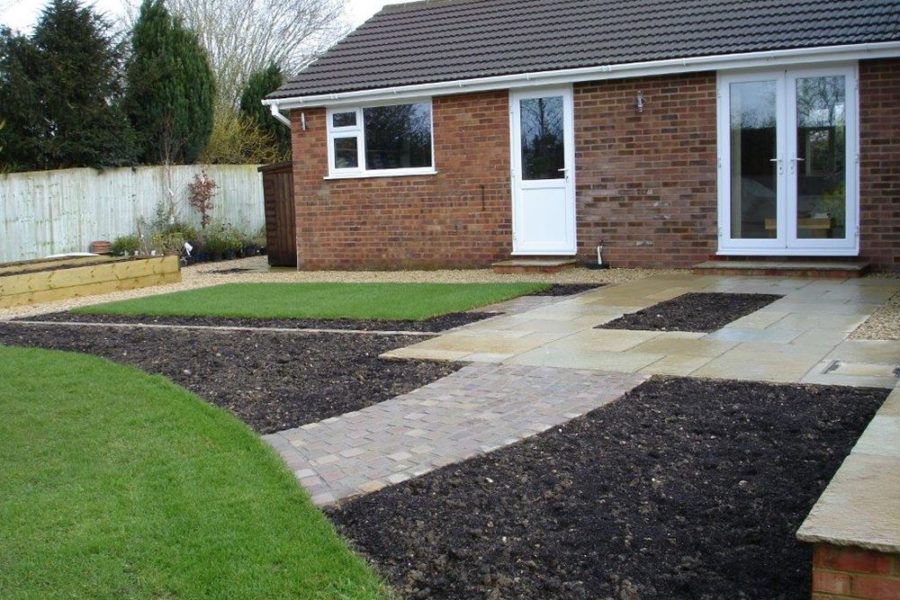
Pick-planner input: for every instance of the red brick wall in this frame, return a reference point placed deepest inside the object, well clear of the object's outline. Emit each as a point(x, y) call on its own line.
point(460, 217)
point(844, 573)
point(879, 164)
point(647, 181)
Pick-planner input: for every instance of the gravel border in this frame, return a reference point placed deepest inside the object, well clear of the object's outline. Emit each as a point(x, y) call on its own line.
point(883, 324)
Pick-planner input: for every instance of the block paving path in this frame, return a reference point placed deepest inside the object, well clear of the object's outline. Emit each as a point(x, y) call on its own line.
point(478, 409)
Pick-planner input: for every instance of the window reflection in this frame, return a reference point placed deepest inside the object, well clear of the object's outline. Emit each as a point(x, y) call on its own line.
point(543, 148)
point(754, 183)
point(398, 136)
point(821, 157)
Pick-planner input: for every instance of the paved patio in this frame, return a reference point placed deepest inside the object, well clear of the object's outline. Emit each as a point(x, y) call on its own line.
point(801, 338)
point(541, 363)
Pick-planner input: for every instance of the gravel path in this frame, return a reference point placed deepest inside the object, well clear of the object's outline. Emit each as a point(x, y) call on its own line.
point(256, 269)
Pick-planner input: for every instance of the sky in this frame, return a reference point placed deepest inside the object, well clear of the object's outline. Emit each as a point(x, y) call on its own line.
point(21, 14)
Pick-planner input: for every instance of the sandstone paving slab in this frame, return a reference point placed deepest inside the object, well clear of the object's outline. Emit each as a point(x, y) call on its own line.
point(779, 363)
point(478, 409)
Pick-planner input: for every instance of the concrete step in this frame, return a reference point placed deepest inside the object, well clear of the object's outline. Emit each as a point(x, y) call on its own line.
point(786, 268)
point(533, 265)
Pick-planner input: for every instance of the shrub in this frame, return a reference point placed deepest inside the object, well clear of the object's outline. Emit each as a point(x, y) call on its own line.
point(200, 194)
point(125, 245)
point(222, 239)
point(167, 243)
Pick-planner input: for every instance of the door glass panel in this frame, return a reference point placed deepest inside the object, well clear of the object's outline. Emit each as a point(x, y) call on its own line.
point(754, 172)
point(821, 161)
point(543, 148)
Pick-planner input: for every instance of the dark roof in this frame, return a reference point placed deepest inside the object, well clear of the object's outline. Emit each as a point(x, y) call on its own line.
point(448, 40)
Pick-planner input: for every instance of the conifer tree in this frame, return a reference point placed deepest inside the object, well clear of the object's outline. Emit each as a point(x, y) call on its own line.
point(60, 93)
point(170, 88)
point(259, 85)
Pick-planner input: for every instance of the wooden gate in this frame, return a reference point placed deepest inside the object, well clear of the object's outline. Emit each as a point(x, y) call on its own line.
point(281, 222)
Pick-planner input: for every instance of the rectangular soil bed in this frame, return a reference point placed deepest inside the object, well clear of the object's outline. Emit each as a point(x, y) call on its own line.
point(683, 488)
point(271, 381)
point(694, 312)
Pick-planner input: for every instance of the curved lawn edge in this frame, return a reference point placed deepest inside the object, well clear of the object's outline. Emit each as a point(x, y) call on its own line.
point(118, 484)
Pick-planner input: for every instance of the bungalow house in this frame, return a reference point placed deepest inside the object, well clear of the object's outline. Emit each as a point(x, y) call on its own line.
point(456, 133)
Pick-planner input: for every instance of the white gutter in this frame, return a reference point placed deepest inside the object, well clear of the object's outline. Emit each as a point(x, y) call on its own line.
point(749, 60)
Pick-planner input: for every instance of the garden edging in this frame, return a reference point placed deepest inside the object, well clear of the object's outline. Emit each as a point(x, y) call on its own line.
point(855, 525)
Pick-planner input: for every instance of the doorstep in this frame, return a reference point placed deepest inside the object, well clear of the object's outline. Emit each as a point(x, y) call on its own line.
point(533, 265)
point(774, 268)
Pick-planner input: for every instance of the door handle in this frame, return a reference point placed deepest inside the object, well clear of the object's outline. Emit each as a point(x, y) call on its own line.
point(780, 165)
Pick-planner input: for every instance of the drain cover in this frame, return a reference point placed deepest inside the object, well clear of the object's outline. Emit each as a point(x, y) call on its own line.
point(855, 369)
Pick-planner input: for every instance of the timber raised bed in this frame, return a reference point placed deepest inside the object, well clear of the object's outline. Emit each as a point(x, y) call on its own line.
point(46, 280)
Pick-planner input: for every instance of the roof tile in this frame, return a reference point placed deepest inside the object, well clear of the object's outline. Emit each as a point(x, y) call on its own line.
point(446, 40)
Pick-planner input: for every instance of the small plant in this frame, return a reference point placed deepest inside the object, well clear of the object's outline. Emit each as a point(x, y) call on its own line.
point(221, 240)
point(200, 194)
point(167, 243)
point(126, 245)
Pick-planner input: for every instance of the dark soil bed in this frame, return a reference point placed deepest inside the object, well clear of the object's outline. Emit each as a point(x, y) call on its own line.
point(697, 312)
point(567, 289)
point(432, 325)
point(684, 488)
point(271, 381)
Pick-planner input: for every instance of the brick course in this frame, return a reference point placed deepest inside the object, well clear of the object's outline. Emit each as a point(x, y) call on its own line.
point(846, 573)
point(879, 162)
point(646, 182)
point(460, 217)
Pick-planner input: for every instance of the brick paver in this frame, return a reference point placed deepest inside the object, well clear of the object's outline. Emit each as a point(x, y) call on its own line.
point(478, 409)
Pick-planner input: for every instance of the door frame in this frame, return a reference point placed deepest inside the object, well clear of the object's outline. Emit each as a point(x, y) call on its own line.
point(569, 160)
point(786, 242)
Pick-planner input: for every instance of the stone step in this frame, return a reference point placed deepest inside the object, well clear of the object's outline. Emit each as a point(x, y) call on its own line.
point(533, 265)
point(785, 268)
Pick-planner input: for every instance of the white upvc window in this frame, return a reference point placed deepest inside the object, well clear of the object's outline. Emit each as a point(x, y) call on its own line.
point(380, 140)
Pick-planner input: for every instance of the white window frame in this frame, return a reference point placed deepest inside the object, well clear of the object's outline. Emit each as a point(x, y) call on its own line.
point(786, 242)
point(358, 131)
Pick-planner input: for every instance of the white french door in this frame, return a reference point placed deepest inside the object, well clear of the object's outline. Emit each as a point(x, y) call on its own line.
point(542, 143)
point(788, 177)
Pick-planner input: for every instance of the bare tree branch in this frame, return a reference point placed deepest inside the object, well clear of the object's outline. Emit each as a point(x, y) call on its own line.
point(243, 36)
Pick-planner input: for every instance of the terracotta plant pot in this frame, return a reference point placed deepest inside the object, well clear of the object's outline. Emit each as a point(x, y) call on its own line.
point(100, 247)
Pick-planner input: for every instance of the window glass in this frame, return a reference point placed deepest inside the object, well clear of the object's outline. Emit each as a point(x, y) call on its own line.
point(344, 119)
point(398, 136)
point(543, 147)
point(345, 153)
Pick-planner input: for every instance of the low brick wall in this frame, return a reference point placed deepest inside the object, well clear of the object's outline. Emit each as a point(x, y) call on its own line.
point(844, 572)
point(855, 525)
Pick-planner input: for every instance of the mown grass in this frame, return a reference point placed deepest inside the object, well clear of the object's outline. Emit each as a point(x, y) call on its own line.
point(392, 301)
point(117, 484)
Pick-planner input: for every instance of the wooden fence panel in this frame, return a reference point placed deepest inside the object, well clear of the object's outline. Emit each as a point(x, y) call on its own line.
point(52, 212)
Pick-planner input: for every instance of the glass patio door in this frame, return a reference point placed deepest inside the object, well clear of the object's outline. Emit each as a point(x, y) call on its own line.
point(787, 163)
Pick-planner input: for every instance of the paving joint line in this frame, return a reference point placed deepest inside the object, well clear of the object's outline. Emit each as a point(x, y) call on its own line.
point(228, 328)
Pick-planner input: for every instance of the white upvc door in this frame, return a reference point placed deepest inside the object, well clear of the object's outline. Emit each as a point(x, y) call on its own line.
point(788, 165)
point(542, 143)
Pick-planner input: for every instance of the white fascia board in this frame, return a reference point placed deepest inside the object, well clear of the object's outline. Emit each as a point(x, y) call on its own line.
point(750, 60)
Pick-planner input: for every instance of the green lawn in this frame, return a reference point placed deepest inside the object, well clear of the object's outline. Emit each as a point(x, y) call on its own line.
point(395, 301)
point(117, 484)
